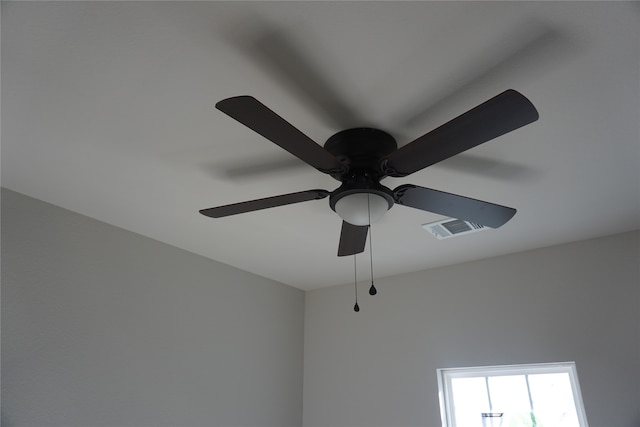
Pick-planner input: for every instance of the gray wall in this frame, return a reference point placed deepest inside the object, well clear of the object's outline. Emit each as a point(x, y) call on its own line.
point(577, 302)
point(103, 327)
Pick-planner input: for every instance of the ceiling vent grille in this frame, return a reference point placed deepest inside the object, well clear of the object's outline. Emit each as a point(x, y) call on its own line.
point(452, 227)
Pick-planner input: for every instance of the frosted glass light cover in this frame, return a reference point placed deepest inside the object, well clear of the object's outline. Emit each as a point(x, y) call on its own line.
point(356, 208)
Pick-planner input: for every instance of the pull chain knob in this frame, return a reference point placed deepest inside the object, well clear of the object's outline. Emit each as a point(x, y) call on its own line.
point(372, 290)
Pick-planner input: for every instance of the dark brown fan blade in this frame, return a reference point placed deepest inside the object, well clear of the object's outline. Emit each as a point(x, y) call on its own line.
point(501, 114)
point(452, 205)
point(268, 202)
point(256, 116)
point(352, 239)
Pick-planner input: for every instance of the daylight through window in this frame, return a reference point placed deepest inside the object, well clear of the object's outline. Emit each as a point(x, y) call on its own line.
point(538, 395)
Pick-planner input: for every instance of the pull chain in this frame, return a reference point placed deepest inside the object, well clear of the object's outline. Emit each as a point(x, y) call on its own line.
point(372, 289)
point(356, 307)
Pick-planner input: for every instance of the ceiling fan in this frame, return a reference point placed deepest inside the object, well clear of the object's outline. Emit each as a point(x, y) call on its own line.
point(361, 157)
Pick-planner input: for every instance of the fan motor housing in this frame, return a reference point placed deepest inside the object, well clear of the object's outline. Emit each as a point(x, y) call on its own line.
point(361, 150)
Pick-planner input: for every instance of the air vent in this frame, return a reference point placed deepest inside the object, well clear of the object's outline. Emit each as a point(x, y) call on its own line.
point(452, 227)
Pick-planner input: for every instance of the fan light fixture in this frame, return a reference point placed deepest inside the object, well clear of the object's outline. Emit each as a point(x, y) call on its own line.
point(362, 208)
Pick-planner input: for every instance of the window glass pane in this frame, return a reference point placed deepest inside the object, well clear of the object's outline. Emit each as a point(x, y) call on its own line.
point(533, 395)
point(509, 395)
point(469, 400)
point(552, 398)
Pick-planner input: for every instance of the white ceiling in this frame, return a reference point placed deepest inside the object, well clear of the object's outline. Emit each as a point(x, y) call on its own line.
point(108, 110)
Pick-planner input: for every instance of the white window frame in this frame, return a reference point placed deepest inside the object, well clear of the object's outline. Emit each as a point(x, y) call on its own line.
point(445, 376)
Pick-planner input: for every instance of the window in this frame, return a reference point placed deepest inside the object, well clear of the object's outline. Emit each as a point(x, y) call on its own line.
point(539, 395)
